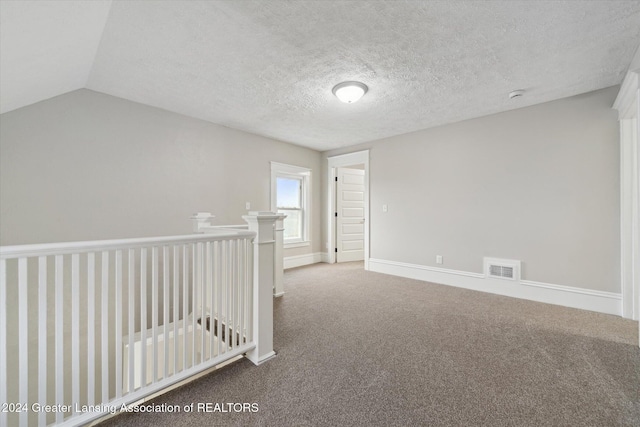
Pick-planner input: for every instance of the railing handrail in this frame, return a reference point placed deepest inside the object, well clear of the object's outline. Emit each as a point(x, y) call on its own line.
point(227, 227)
point(46, 249)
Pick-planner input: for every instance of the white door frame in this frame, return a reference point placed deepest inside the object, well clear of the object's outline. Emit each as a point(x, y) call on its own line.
point(343, 160)
point(628, 105)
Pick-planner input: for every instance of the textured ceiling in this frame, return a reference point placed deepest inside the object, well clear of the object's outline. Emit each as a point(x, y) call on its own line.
point(268, 67)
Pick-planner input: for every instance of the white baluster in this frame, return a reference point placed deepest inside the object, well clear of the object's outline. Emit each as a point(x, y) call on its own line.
point(42, 337)
point(118, 323)
point(229, 289)
point(185, 300)
point(143, 317)
point(154, 311)
point(165, 309)
point(208, 297)
point(132, 300)
point(104, 285)
point(202, 289)
point(242, 248)
point(212, 290)
point(3, 339)
point(218, 316)
point(91, 325)
point(75, 329)
point(176, 287)
point(193, 303)
point(23, 340)
point(59, 276)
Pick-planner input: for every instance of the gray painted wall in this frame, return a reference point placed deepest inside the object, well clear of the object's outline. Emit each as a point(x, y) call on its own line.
point(85, 166)
point(538, 184)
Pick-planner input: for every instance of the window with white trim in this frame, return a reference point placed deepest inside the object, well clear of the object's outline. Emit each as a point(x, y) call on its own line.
point(290, 195)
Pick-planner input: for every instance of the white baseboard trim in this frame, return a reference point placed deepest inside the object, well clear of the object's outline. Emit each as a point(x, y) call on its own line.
point(300, 260)
point(585, 299)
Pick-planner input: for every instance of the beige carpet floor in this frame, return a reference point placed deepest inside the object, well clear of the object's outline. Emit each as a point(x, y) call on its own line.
point(357, 348)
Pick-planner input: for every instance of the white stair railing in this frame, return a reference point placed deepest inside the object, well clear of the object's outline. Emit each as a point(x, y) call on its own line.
point(87, 327)
point(202, 223)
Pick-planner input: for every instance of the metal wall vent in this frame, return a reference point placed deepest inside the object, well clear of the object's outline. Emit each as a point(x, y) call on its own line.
point(502, 268)
point(501, 271)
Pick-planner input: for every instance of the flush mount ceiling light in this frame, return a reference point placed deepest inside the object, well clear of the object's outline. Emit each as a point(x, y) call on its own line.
point(349, 92)
point(516, 94)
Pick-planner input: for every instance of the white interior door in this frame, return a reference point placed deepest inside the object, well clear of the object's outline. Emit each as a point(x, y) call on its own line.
point(350, 215)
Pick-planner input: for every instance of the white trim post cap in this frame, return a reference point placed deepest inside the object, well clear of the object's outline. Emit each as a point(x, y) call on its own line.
point(200, 219)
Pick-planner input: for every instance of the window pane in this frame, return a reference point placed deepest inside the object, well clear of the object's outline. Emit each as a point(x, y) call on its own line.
point(292, 224)
point(288, 193)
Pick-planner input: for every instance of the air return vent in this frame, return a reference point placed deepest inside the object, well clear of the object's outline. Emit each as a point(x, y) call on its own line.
point(501, 271)
point(502, 268)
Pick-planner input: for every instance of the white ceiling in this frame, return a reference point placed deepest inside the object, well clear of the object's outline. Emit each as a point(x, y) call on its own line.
point(268, 67)
point(47, 48)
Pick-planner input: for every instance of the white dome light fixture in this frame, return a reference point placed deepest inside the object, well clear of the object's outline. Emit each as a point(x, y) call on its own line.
point(516, 94)
point(349, 92)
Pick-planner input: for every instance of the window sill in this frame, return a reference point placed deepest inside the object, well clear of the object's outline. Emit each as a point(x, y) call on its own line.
point(296, 244)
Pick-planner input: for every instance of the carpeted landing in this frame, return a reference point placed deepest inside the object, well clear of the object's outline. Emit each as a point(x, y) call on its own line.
point(357, 348)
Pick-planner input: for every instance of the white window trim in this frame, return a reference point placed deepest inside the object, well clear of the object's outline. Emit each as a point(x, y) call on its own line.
point(285, 170)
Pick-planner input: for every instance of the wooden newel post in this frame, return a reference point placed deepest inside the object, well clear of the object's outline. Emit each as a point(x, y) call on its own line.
point(263, 223)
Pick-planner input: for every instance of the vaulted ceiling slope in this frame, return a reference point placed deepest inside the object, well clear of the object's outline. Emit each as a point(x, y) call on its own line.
point(268, 67)
point(47, 48)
